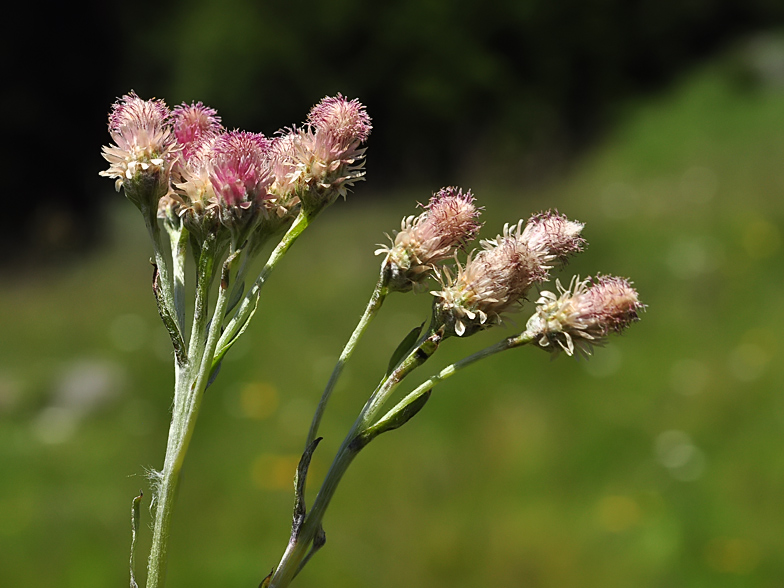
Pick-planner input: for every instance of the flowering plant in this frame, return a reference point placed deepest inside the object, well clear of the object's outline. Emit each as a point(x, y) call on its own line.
point(221, 195)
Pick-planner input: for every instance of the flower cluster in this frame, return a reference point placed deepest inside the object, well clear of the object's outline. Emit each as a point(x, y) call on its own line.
point(448, 222)
point(183, 163)
point(584, 314)
point(499, 276)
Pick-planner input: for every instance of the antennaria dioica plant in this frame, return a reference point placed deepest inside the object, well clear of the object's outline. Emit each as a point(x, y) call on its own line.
point(220, 196)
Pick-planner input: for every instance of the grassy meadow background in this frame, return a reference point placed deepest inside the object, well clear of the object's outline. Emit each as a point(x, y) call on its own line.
point(658, 463)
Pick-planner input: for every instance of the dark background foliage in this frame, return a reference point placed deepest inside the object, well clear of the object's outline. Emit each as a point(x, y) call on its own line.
point(512, 88)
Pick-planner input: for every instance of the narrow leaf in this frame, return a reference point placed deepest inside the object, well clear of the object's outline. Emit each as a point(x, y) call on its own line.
point(318, 542)
point(135, 516)
point(222, 351)
point(400, 418)
point(405, 347)
point(266, 581)
point(213, 374)
point(236, 296)
point(300, 476)
point(168, 319)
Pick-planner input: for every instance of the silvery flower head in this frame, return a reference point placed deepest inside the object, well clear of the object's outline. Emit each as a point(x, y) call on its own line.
point(196, 128)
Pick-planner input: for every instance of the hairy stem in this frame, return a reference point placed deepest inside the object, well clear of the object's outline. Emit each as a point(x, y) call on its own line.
point(190, 384)
point(166, 286)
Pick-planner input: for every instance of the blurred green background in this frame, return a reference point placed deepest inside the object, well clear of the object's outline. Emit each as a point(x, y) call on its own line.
point(657, 463)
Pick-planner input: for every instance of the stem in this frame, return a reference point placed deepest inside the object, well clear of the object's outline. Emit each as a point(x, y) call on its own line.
point(165, 491)
point(151, 220)
point(450, 370)
point(373, 306)
point(300, 544)
point(179, 247)
point(248, 303)
point(190, 384)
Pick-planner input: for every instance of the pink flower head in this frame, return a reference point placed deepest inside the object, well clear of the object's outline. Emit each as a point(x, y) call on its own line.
point(325, 157)
point(239, 168)
point(193, 125)
point(142, 150)
point(489, 284)
point(550, 236)
point(132, 114)
point(583, 315)
point(554, 235)
point(346, 121)
point(448, 222)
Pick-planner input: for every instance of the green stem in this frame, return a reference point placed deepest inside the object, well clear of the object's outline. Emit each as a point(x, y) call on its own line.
point(190, 384)
point(248, 304)
point(165, 281)
point(178, 237)
point(450, 370)
point(300, 544)
point(374, 304)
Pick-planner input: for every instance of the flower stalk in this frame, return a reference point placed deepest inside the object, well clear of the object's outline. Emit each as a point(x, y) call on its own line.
point(224, 194)
point(380, 293)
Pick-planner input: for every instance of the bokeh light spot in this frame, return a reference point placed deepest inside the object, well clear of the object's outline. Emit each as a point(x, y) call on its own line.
point(618, 513)
point(274, 472)
point(258, 400)
point(747, 362)
point(732, 555)
point(55, 425)
point(761, 239)
point(689, 376)
point(676, 452)
point(691, 257)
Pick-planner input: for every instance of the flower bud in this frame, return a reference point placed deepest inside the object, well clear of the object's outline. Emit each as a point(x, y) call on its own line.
point(447, 223)
point(583, 315)
point(140, 159)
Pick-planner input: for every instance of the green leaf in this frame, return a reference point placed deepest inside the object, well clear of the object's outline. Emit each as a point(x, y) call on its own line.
point(135, 516)
point(236, 296)
point(401, 417)
point(299, 487)
point(222, 351)
point(406, 346)
point(213, 373)
point(168, 319)
point(266, 581)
